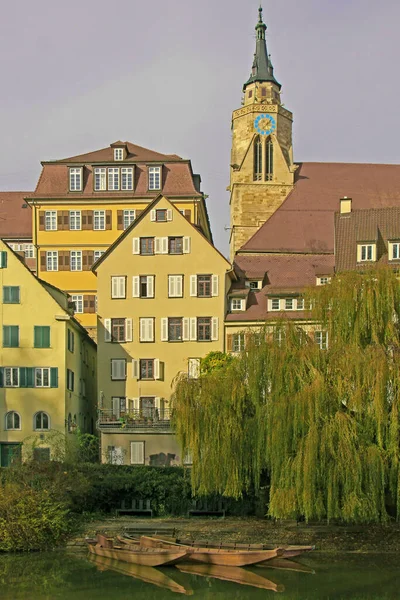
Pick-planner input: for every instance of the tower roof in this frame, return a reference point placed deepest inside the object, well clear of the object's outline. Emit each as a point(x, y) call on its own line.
point(262, 69)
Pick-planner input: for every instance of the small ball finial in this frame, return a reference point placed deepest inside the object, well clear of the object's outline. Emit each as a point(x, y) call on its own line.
point(260, 14)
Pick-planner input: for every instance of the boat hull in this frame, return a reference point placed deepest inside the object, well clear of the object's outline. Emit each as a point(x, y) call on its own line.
point(139, 556)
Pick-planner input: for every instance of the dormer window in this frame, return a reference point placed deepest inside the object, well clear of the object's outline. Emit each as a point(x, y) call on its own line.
point(237, 304)
point(323, 280)
point(394, 250)
point(75, 179)
point(366, 252)
point(118, 154)
point(113, 179)
point(154, 178)
point(255, 284)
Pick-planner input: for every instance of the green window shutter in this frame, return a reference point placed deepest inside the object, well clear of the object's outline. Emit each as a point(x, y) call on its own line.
point(3, 259)
point(15, 295)
point(41, 336)
point(22, 377)
point(30, 377)
point(54, 377)
point(11, 294)
point(1, 377)
point(10, 336)
point(6, 295)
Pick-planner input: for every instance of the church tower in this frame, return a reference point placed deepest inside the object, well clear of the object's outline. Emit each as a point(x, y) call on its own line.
point(262, 170)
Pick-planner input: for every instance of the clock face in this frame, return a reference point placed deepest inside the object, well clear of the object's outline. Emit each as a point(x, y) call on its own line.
point(264, 124)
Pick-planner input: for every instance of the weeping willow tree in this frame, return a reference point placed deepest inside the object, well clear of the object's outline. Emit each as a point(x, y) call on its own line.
point(322, 423)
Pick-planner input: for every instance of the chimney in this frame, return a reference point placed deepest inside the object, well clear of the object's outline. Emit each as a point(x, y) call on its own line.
point(345, 205)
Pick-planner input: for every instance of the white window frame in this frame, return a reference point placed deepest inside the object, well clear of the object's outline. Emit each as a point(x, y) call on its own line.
point(127, 178)
point(193, 368)
point(238, 342)
point(75, 260)
point(154, 178)
point(323, 280)
point(255, 284)
point(275, 304)
point(139, 445)
point(13, 413)
point(321, 339)
point(97, 254)
point(50, 220)
point(41, 371)
point(40, 412)
point(30, 251)
point(118, 369)
point(394, 250)
point(11, 377)
point(118, 154)
point(289, 303)
point(300, 304)
point(175, 286)
point(118, 286)
point(237, 304)
point(78, 300)
point(52, 260)
point(75, 179)
point(75, 220)
point(146, 329)
point(99, 220)
point(366, 252)
point(128, 216)
point(113, 179)
point(100, 179)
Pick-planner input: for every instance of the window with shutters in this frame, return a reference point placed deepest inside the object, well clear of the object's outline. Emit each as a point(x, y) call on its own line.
point(147, 245)
point(10, 336)
point(193, 368)
point(11, 376)
point(146, 329)
point(100, 181)
point(127, 178)
point(137, 453)
point(41, 335)
point(204, 286)
point(238, 341)
point(118, 330)
point(76, 260)
point(175, 245)
point(99, 219)
point(75, 179)
point(154, 178)
point(161, 215)
point(146, 368)
point(77, 300)
point(13, 420)
point(204, 329)
point(70, 380)
point(113, 179)
point(128, 217)
point(71, 341)
point(118, 287)
point(50, 220)
point(52, 260)
point(175, 286)
point(175, 329)
point(146, 286)
point(75, 220)
point(42, 377)
point(41, 421)
point(321, 339)
point(11, 294)
point(97, 254)
point(118, 369)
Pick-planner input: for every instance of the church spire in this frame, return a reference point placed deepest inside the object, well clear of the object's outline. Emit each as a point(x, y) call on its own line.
point(262, 69)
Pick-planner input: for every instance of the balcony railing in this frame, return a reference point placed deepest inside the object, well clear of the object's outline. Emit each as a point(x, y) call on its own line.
point(146, 418)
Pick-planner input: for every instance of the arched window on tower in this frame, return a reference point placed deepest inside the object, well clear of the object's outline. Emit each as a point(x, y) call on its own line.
point(269, 160)
point(257, 169)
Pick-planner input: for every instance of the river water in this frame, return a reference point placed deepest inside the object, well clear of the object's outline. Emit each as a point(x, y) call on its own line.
point(63, 576)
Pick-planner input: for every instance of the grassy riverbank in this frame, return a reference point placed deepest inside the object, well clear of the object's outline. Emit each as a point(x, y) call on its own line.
point(326, 538)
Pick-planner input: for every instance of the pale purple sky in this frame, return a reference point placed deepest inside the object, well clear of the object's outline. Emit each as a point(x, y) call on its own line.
point(166, 75)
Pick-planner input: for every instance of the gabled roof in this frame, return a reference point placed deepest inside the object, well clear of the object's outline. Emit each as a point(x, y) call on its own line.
point(136, 222)
point(134, 154)
point(304, 223)
point(15, 218)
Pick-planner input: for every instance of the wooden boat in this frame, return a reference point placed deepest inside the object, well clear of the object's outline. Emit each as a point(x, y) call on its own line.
point(286, 565)
point(142, 572)
point(215, 556)
point(152, 557)
point(234, 574)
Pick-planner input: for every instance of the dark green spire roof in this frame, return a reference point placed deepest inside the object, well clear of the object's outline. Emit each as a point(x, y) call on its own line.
point(262, 69)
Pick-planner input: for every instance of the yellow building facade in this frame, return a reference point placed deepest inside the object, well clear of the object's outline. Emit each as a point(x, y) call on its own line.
point(161, 308)
point(48, 366)
point(83, 203)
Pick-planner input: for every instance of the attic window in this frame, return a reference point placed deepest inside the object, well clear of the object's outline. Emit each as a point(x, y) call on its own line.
point(237, 304)
point(75, 179)
point(366, 252)
point(154, 178)
point(118, 154)
point(255, 285)
point(394, 250)
point(323, 280)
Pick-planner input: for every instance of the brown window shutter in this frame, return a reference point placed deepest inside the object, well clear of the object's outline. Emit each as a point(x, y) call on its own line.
point(89, 219)
point(84, 260)
point(66, 219)
point(43, 265)
point(120, 219)
point(90, 259)
point(66, 261)
point(59, 220)
point(108, 219)
point(84, 219)
point(41, 220)
point(86, 304)
point(61, 261)
point(229, 342)
point(138, 213)
point(187, 214)
point(92, 304)
point(247, 339)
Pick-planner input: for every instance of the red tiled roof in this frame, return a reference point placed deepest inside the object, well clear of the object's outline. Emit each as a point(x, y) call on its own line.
point(305, 220)
point(135, 154)
point(284, 274)
point(15, 221)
